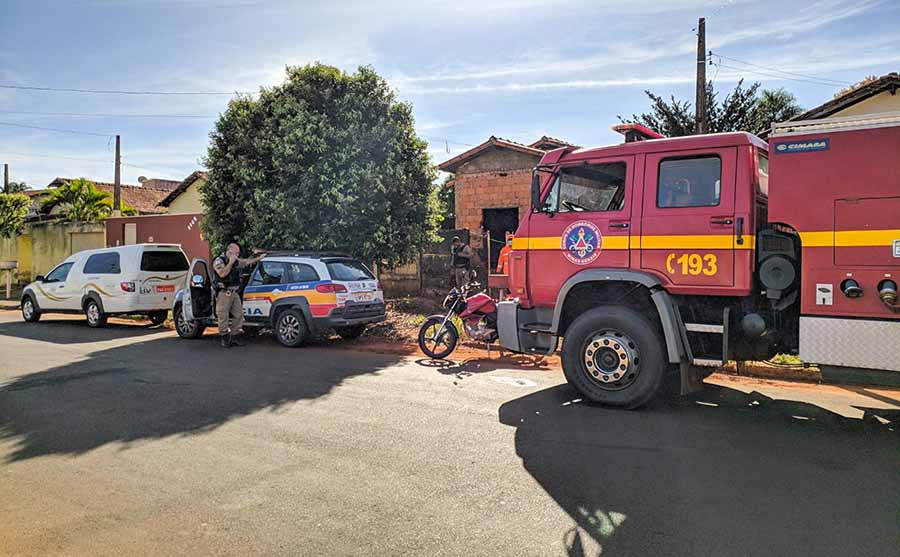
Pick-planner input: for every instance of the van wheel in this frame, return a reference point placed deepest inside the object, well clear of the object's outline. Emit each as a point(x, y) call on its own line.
point(350, 333)
point(95, 316)
point(290, 328)
point(30, 311)
point(159, 317)
point(614, 356)
point(185, 328)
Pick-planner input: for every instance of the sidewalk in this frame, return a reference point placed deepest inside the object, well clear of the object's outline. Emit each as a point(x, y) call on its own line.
point(12, 303)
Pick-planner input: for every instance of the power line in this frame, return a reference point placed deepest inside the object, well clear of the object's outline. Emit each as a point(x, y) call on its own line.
point(776, 76)
point(84, 159)
point(118, 92)
point(107, 115)
point(45, 156)
point(776, 70)
point(76, 132)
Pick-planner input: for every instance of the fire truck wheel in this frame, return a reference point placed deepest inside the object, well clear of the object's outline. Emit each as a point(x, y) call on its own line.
point(614, 356)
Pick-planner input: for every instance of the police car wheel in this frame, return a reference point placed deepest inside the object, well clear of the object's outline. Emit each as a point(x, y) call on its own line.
point(93, 313)
point(290, 328)
point(185, 328)
point(614, 356)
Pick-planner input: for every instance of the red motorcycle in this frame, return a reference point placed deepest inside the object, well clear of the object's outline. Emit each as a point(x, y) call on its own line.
point(477, 311)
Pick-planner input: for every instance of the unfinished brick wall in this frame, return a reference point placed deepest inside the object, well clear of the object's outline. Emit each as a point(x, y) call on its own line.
point(487, 190)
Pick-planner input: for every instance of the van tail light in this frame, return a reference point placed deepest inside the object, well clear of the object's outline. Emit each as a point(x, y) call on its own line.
point(126, 286)
point(377, 285)
point(330, 288)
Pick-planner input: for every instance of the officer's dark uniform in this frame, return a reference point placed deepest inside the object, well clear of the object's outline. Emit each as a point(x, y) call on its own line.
point(460, 263)
point(229, 310)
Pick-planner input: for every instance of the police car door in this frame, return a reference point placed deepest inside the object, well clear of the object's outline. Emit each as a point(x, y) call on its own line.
point(265, 287)
point(197, 299)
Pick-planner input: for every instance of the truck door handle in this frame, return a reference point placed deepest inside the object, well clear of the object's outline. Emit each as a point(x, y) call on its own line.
point(721, 221)
point(619, 225)
point(740, 230)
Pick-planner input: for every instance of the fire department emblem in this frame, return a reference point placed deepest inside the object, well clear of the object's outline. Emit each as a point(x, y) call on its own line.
point(581, 242)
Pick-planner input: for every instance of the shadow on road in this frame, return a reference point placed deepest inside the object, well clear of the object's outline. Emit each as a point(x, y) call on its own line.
point(719, 473)
point(163, 387)
point(485, 364)
point(73, 331)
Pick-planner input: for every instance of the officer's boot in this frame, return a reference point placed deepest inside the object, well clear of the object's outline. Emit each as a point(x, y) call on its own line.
point(225, 340)
point(236, 340)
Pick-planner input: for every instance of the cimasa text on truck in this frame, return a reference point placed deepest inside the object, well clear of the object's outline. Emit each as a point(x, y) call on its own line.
point(682, 253)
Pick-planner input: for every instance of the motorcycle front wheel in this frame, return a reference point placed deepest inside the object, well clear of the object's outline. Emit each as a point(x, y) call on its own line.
point(435, 342)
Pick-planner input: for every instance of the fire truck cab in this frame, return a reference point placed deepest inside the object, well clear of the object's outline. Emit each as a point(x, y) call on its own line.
point(682, 253)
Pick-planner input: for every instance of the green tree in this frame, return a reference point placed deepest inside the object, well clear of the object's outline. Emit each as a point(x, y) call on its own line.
point(326, 160)
point(773, 106)
point(81, 201)
point(446, 195)
point(17, 187)
point(740, 110)
point(13, 208)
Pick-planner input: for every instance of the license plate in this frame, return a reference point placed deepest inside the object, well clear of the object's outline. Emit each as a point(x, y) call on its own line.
point(165, 288)
point(363, 297)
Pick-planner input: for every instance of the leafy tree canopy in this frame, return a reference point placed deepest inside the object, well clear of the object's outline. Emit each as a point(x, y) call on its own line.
point(81, 201)
point(447, 202)
point(328, 161)
point(740, 110)
point(17, 187)
point(13, 208)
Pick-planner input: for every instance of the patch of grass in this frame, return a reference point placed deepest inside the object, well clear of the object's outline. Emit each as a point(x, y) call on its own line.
point(786, 359)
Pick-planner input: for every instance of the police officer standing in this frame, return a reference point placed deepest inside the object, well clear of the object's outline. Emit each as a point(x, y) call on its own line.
point(229, 310)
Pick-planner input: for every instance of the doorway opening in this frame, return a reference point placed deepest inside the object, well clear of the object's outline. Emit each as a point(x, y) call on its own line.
point(499, 222)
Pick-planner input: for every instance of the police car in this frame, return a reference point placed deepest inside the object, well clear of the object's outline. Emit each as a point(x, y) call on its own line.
point(294, 294)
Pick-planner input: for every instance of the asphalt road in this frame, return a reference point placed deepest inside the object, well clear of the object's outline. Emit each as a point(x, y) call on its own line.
point(131, 441)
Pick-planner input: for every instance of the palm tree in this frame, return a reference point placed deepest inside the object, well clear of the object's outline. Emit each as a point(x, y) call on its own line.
point(81, 201)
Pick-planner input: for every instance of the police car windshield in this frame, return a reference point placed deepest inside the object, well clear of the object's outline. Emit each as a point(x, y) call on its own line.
point(347, 270)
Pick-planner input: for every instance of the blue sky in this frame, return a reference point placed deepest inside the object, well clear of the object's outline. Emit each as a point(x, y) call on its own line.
point(471, 69)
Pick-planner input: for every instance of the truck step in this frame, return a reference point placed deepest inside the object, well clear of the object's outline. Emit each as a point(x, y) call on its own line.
point(703, 362)
point(536, 327)
point(704, 328)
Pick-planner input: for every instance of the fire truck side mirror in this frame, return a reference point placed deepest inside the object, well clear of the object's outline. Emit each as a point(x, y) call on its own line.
point(535, 192)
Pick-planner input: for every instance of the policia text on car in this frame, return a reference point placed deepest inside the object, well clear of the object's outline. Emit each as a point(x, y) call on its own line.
point(229, 310)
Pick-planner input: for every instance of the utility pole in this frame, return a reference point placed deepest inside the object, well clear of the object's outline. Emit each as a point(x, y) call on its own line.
point(5, 177)
point(117, 189)
point(701, 77)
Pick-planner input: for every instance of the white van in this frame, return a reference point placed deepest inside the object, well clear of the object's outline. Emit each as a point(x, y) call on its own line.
point(134, 279)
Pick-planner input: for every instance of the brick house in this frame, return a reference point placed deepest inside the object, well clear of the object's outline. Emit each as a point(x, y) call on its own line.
point(492, 184)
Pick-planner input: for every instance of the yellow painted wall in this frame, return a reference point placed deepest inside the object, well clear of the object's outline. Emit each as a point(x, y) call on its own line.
point(188, 202)
point(882, 102)
point(42, 246)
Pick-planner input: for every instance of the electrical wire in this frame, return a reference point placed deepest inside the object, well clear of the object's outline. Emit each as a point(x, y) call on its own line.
point(45, 156)
point(107, 115)
point(59, 130)
point(117, 92)
point(776, 76)
point(84, 159)
point(776, 70)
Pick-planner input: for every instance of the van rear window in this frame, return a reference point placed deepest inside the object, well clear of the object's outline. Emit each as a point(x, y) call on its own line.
point(348, 270)
point(163, 261)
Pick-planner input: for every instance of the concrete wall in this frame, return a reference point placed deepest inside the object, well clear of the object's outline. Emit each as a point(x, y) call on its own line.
point(882, 102)
point(161, 229)
point(41, 246)
point(188, 202)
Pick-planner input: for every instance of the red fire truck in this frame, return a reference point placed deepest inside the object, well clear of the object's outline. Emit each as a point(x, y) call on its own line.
point(663, 254)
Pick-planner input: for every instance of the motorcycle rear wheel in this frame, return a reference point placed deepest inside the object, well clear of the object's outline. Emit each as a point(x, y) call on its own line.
point(438, 346)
